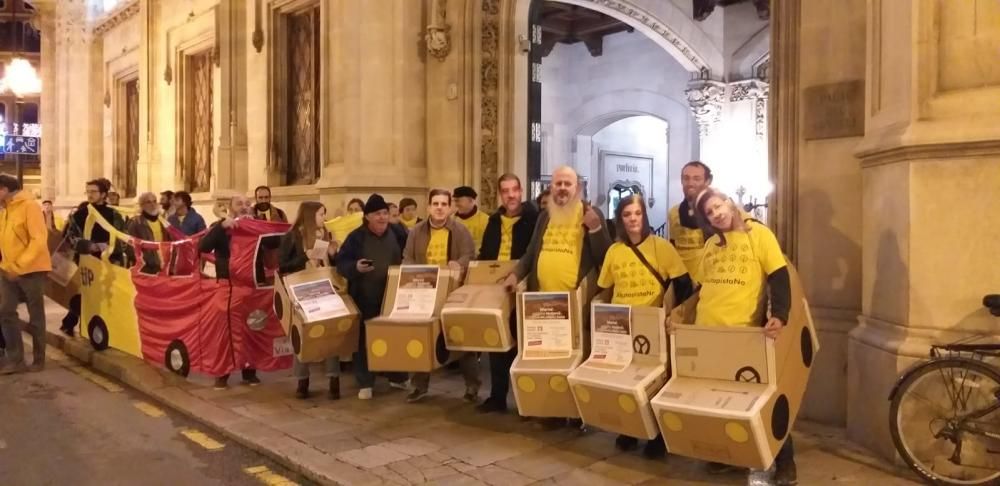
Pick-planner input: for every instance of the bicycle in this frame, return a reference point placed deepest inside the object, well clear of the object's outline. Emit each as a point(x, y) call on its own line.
point(945, 413)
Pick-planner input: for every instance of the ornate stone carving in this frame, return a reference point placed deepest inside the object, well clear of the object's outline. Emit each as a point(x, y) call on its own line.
point(117, 17)
point(750, 89)
point(705, 98)
point(650, 21)
point(438, 34)
point(489, 82)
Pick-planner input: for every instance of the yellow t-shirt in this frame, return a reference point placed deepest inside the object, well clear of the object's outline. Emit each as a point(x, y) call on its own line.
point(735, 275)
point(689, 242)
point(157, 229)
point(476, 224)
point(559, 258)
point(409, 223)
point(437, 247)
point(506, 236)
point(633, 283)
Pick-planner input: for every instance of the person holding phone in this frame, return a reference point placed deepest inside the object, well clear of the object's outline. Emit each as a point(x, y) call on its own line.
point(298, 251)
point(741, 266)
point(440, 240)
point(364, 260)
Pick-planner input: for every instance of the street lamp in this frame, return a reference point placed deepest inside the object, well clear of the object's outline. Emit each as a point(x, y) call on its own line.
point(21, 78)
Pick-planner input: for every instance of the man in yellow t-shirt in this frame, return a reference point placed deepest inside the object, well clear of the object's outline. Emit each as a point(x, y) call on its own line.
point(570, 240)
point(408, 213)
point(468, 213)
point(506, 238)
point(684, 232)
point(442, 241)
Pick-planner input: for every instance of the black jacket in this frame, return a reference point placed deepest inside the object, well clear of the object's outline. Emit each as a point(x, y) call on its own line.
point(367, 289)
point(291, 255)
point(523, 229)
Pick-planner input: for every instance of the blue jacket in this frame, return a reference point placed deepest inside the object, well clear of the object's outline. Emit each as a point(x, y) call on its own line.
point(192, 223)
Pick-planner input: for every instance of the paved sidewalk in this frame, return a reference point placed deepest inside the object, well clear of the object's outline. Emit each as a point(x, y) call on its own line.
point(441, 440)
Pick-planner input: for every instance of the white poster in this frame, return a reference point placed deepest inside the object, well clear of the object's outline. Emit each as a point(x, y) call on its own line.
point(318, 300)
point(416, 293)
point(611, 344)
point(282, 346)
point(548, 332)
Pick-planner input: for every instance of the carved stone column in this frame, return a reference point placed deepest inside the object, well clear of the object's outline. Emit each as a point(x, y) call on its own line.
point(706, 98)
point(46, 21)
point(930, 172)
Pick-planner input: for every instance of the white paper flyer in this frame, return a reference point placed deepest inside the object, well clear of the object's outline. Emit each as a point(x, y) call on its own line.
point(611, 344)
point(416, 293)
point(318, 300)
point(548, 332)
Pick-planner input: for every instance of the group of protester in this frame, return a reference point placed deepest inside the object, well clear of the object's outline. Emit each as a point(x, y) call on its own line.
point(558, 240)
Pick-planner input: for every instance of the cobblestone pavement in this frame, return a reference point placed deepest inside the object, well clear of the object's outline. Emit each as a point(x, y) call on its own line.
point(441, 440)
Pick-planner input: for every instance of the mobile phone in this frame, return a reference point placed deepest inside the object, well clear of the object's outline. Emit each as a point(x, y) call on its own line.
point(367, 263)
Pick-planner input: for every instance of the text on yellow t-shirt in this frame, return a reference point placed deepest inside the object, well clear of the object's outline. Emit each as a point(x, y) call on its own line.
point(633, 283)
point(559, 258)
point(437, 247)
point(734, 276)
point(506, 236)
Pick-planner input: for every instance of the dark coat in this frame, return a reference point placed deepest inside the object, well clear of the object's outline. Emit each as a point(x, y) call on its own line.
point(521, 237)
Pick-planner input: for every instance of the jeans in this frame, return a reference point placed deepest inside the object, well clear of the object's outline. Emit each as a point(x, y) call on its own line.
point(470, 370)
point(365, 378)
point(32, 286)
point(500, 366)
point(331, 365)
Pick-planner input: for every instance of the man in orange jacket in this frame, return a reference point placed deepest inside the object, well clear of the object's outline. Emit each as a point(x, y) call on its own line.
point(24, 263)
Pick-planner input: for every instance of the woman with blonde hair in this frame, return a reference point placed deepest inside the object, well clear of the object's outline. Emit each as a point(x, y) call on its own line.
point(298, 252)
point(639, 268)
point(742, 265)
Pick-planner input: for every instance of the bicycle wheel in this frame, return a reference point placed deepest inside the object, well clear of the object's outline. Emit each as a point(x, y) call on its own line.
point(925, 427)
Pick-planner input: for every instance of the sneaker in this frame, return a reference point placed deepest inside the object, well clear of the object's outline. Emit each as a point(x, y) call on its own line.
point(11, 368)
point(492, 405)
point(626, 443)
point(416, 395)
point(720, 468)
point(365, 394)
point(400, 385)
point(655, 449)
point(471, 395)
point(221, 383)
point(785, 473)
point(250, 378)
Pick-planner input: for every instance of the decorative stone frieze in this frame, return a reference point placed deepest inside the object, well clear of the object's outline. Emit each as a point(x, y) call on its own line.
point(706, 98)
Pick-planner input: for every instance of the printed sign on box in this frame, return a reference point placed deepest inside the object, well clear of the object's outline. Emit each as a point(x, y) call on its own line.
point(548, 332)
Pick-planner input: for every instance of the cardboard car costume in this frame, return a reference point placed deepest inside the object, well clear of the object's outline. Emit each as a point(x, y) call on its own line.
point(180, 318)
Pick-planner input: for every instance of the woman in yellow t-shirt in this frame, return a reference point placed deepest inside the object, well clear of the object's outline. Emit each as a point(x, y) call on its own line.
point(742, 264)
point(638, 268)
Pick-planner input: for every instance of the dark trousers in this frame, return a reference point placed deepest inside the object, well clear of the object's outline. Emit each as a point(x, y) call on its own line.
point(72, 315)
point(500, 366)
point(365, 378)
point(787, 452)
point(32, 287)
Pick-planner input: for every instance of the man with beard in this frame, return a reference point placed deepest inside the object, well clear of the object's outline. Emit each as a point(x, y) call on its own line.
point(147, 226)
point(684, 232)
point(97, 196)
point(216, 241)
point(263, 208)
point(185, 218)
point(570, 241)
point(506, 238)
point(166, 203)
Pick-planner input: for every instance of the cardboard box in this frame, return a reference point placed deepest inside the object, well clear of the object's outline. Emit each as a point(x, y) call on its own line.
point(733, 394)
point(316, 340)
point(618, 401)
point(476, 316)
point(64, 280)
point(406, 343)
point(540, 385)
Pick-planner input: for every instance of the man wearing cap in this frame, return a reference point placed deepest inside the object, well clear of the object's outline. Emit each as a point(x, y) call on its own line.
point(468, 213)
point(364, 260)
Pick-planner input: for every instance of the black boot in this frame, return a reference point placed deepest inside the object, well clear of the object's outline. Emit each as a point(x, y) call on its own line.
point(785, 473)
point(334, 392)
point(626, 443)
point(303, 389)
point(655, 449)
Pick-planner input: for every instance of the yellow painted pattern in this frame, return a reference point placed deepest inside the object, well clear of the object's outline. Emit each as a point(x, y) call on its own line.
point(97, 379)
point(627, 403)
point(202, 439)
point(149, 409)
point(526, 383)
point(672, 422)
point(491, 336)
point(456, 334)
point(582, 393)
point(380, 347)
point(317, 332)
point(344, 326)
point(266, 476)
point(415, 348)
point(737, 432)
point(558, 383)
